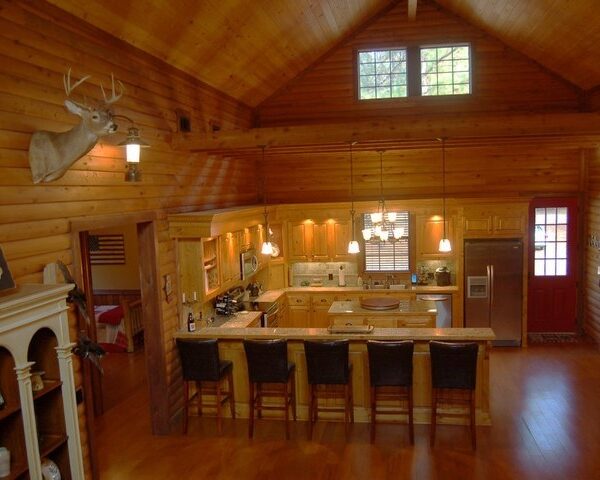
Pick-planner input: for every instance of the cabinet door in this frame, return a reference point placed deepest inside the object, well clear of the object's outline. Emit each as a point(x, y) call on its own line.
point(230, 257)
point(277, 276)
point(320, 241)
point(509, 224)
point(299, 316)
point(430, 230)
point(477, 223)
point(341, 236)
point(299, 241)
point(320, 316)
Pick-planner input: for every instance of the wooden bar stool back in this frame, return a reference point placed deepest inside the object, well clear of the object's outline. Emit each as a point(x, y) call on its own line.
point(270, 375)
point(200, 364)
point(453, 380)
point(391, 378)
point(329, 377)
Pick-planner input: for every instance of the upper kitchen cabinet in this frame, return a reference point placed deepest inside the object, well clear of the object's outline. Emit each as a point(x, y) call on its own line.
point(430, 230)
point(506, 220)
point(318, 241)
point(230, 257)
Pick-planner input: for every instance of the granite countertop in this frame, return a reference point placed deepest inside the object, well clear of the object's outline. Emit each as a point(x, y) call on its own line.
point(417, 334)
point(237, 320)
point(405, 307)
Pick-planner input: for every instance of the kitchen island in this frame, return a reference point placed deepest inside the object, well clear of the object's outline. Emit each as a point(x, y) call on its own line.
point(231, 348)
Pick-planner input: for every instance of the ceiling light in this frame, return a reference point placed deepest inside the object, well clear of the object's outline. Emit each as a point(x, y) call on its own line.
point(267, 246)
point(353, 247)
point(445, 245)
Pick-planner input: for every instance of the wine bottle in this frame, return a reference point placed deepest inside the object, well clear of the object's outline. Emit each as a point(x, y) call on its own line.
point(191, 324)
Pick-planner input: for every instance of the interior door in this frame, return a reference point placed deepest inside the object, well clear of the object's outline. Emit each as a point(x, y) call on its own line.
point(552, 289)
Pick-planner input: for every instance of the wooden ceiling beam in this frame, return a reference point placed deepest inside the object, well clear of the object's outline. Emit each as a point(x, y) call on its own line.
point(420, 130)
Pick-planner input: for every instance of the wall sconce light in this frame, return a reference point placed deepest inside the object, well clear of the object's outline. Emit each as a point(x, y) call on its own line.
point(133, 144)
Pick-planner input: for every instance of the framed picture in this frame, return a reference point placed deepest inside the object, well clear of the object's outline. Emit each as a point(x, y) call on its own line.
point(6, 281)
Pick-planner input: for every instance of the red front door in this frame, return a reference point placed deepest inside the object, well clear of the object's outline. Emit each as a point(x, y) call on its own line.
point(552, 304)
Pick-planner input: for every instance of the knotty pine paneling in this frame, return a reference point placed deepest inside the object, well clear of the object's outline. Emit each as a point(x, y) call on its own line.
point(502, 79)
point(37, 46)
point(591, 281)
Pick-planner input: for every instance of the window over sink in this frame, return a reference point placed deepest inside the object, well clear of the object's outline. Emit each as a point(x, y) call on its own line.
point(391, 255)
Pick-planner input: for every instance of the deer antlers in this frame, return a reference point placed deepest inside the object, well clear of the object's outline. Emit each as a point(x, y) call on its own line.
point(107, 100)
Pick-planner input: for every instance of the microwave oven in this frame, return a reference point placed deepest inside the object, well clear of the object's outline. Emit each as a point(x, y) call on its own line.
point(248, 263)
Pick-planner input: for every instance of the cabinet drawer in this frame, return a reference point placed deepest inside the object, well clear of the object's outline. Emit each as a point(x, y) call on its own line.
point(417, 321)
point(345, 297)
point(322, 300)
point(298, 300)
point(350, 321)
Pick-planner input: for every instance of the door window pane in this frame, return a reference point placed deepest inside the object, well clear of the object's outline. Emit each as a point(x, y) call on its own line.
point(550, 236)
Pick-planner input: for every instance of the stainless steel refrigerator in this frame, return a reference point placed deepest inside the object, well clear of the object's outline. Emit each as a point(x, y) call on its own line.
point(494, 287)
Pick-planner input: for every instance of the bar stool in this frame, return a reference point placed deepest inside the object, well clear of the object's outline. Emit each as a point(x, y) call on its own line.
point(200, 363)
point(391, 378)
point(270, 375)
point(453, 371)
point(329, 376)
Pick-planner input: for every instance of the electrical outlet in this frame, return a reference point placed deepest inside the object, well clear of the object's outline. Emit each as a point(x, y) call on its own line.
point(330, 276)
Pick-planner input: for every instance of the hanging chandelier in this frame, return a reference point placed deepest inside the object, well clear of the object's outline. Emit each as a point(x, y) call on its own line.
point(353, 247)
point(445, 245)
point(384, 227)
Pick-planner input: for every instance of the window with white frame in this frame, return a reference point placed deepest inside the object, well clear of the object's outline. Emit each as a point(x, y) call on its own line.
point(382, 74)
point(445, 70)
point(391, 255)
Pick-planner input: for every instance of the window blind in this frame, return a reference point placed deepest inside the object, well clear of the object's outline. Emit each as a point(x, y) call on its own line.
point(389, 256)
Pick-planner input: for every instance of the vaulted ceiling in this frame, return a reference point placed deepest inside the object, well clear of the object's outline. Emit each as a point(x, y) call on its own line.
point(250, 49)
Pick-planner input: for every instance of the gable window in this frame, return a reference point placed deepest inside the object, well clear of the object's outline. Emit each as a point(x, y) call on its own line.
point(391, 255)
point(382, 74)
point(445, 70)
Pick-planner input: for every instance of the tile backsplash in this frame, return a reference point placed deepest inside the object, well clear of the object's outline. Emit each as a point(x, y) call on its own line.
point(325, 272)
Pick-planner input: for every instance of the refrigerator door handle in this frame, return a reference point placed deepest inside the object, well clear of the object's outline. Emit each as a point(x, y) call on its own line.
point(489, 287)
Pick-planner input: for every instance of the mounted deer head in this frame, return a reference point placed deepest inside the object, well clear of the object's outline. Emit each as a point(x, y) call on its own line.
point(51, 154)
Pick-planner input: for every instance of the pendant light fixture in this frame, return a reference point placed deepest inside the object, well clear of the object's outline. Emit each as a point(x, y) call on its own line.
point(353, 247)
point(445, 245)
point(384, 223)
point(267, 246)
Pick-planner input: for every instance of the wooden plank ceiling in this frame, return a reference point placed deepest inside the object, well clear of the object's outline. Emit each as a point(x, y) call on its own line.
point(246, 49)
point(249, 49)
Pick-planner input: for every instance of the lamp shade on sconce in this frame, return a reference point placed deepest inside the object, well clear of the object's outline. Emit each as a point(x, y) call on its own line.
point(133, 145)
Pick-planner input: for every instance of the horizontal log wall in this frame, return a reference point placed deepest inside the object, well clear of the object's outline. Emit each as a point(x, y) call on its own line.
point(591, 281)
point(502, 80)
point(37, 45)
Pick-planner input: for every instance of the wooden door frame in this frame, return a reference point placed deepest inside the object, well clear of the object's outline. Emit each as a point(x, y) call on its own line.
point(151, 300)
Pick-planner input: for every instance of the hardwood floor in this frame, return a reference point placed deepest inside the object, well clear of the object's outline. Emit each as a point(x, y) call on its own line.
point(124, 374)
point(545, 403)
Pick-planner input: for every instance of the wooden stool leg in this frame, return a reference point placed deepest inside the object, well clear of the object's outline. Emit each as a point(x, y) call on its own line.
point(433, 415)
point(287, 410)
point(472, 416)
point(294, 395)
point(258, 400)
point(231, 394)
point(373, 415)
point(186, 400)
point(251, 414)
point(219, 405)
point(311, 407)
point(351, 397)
point(346, 409)
point(411, 428)
point(199, 397)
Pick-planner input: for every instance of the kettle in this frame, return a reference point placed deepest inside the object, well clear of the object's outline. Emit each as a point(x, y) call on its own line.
point(442, 276)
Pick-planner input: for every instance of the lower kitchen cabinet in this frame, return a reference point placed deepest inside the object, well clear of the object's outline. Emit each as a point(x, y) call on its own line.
point(39, 419)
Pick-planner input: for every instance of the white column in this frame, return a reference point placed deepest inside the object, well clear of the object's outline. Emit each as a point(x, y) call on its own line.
point(65, 365)
point(28, 418)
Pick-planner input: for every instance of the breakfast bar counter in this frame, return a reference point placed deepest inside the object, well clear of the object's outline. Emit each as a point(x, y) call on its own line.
point(231, 348)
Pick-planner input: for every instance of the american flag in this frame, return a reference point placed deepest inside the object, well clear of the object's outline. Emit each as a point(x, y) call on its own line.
point(107, 249)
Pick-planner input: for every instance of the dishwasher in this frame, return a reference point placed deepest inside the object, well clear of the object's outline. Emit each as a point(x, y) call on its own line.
point(443, 305)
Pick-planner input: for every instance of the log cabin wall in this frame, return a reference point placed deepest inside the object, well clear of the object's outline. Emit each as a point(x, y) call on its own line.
point(502, 79)
point(591, 282)
point(37, 45)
